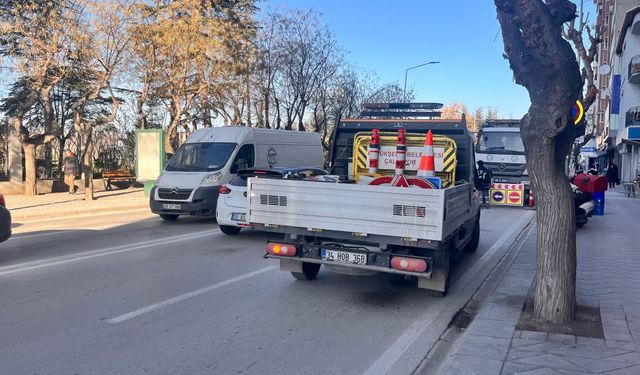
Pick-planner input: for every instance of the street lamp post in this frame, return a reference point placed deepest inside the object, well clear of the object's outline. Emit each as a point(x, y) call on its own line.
point(404, 92)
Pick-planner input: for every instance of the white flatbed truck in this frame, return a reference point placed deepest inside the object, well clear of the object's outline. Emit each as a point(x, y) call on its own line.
point(359, 229)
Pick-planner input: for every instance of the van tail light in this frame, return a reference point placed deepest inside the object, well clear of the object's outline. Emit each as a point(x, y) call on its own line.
point(224, 189)
point(281, 249)
point(409, 264)
point(2, 202)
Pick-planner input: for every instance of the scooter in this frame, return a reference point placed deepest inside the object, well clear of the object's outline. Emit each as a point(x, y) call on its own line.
point(584, 205)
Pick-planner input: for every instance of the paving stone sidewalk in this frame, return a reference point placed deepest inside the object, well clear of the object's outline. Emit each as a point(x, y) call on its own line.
point(56, 205)
point(608, 277)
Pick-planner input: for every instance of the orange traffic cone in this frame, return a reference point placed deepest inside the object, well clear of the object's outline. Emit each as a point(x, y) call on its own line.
point(427, 166)
point(374, 151)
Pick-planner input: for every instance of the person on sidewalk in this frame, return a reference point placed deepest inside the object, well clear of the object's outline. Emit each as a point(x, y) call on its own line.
point(484, 182)
point(71, 166)
point(612, 176)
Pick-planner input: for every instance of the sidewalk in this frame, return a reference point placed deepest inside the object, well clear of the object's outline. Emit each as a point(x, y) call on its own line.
point(608, 277)
point(57, 205)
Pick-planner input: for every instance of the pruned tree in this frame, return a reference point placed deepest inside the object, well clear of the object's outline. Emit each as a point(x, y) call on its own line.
point(545, 64)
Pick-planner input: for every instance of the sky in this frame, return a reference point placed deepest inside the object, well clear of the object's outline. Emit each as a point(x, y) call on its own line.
point(387, 37)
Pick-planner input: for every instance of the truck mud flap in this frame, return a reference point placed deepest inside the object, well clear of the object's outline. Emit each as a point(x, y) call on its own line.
point(290, 265)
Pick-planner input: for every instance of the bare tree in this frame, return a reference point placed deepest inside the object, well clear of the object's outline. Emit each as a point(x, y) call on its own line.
point(545, 64)
point(587, 54)
point(301, 57)
point(34, 36)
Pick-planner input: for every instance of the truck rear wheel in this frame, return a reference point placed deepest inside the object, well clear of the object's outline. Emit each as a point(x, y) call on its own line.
point(472, 245)
point(309, 271)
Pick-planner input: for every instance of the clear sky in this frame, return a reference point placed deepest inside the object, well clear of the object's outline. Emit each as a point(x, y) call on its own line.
point(387, 37)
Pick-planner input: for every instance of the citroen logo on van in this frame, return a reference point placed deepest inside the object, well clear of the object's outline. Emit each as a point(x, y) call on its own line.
point(174, 191)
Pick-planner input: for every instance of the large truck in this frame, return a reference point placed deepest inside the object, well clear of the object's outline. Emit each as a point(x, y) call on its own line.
point(501, 149)
point(355, 228)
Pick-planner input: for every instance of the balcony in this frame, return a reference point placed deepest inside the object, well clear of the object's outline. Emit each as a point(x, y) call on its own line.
point(634, 69)
point(633, 117)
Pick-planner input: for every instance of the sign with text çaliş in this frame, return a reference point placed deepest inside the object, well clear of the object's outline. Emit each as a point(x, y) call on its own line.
point(387, 158)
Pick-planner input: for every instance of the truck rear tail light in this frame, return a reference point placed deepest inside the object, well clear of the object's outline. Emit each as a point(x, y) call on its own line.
point(224, 189)
point(409, 264)
point(281, 249)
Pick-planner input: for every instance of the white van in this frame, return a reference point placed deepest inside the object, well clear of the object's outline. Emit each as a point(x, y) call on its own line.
point(211, 157)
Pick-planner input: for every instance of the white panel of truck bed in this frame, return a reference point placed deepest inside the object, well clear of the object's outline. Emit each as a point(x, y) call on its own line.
point(380, 210)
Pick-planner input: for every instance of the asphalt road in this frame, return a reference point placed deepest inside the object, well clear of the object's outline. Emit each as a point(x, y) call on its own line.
point(131, 294)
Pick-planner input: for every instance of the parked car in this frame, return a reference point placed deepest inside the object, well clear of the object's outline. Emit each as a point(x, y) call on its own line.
point(5, 221)
point(231, 212)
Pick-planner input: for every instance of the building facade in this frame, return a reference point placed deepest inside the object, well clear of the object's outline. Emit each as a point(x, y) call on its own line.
point(622, 130)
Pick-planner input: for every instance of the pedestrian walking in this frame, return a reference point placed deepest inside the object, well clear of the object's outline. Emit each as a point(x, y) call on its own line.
point(612, 176)
point(483, 183)
point(71, 166)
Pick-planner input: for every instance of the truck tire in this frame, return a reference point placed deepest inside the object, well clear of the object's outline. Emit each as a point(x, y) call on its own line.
point(309, 271)
point(227, 229)
point(169, 217)
point(472, 245)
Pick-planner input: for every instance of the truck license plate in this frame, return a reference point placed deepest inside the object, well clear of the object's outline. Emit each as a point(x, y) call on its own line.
point(344, 257)
point(238, 216)
point(171, 206)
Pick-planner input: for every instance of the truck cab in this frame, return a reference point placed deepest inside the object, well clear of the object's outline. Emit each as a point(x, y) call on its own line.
point(501, 149)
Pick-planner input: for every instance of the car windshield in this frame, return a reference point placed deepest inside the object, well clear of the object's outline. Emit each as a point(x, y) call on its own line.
point(501, 142)
point(201, 157)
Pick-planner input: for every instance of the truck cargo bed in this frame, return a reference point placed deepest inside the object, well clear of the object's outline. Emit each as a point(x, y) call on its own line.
point(408, 213)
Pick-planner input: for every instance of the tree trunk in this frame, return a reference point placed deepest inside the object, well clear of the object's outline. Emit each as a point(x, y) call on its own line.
point(29, 150)
point(30, 182)
point(176, 114)
point(555, 294)
point(87, 169)
point(87, 162)
point(266, 110)
point(545, 64)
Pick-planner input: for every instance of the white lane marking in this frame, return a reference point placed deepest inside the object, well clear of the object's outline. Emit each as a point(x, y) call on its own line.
point(182, 297)
point(393, 353)
point(7, 270)
point(13, 238)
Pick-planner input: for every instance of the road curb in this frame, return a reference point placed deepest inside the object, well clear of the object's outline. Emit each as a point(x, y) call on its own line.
point(65, 213)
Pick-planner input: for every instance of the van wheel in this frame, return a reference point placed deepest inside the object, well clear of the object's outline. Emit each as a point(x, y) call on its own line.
point(227, 229)
point(472, 245)
point(169, 217)
point(309, 271)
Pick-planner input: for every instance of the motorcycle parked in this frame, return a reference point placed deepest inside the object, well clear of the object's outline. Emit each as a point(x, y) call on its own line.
point(584, 205)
